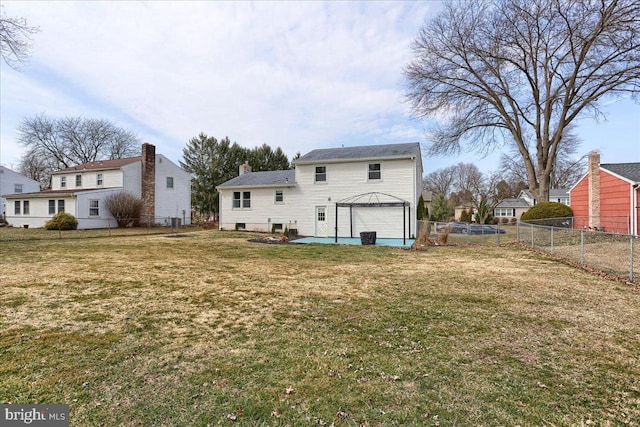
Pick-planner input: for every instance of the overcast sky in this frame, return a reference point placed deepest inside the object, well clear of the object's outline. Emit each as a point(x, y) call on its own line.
point(298, 75)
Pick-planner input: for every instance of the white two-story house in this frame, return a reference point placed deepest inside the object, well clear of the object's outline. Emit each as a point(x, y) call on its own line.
point(335, 192)
point(81, 190)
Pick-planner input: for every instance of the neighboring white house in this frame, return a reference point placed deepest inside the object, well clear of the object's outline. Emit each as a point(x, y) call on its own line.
point(80, 190)
point(14, 183)
point(369, 188)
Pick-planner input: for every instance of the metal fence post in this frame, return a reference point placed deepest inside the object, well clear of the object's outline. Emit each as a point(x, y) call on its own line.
point(581, 246)
point(532, 243)
point(631, 259)
point(551, 240)
point(518, 231)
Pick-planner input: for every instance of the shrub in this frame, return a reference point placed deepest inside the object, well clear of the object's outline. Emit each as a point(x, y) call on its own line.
point(62, 221)
point(3, 222)
point(547, 210)
point(124, 207)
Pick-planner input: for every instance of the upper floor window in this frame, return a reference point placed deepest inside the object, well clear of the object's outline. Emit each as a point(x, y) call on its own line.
point(63, 182)
point(321, 174)
point(99, 180)
point(94, 208)
point(279, 197)
point(78, 180)
point(17, 188)
point(169, 182)
point(374, 171)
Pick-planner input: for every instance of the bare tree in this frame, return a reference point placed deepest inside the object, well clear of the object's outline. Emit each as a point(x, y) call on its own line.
point(440, 181)
point(15, 40)
point(70, 141)
point(38, 167)
point(518, 72)
point(568, 168)
point(124, 207)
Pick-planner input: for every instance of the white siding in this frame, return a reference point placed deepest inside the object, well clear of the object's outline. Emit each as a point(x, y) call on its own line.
point(38, 211)
point(132, 178)
point(400, 178)
point(110, 178)
point(8, 181)
point(263, 212)
point(176, 201)
point(104, 219)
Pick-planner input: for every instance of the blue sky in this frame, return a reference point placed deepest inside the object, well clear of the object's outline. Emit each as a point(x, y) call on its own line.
point(298, 75)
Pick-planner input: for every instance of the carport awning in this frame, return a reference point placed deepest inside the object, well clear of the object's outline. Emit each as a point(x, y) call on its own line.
point(374, 200)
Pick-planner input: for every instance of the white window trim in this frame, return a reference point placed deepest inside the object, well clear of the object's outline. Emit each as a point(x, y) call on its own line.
point(63, 182)
point(315, 174)
point(91, 208)
point(275, 197)
point(242, 200)
point(99, 180)
point(370, 179)
point(173, 183)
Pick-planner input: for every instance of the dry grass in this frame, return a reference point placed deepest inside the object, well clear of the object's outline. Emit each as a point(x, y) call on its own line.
point(211, 329)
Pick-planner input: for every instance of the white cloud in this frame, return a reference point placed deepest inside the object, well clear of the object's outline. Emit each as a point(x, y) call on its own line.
point(299, 75)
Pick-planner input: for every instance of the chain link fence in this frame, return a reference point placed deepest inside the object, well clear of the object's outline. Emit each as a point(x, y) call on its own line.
point(613, 253)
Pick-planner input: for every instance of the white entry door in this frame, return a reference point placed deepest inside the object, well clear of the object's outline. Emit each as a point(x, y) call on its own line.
point(321, 221)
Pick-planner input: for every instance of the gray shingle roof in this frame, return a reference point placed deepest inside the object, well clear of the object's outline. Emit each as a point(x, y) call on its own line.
point(262, 179)
point(513, 203)
point(631, 171)
point(364, 152)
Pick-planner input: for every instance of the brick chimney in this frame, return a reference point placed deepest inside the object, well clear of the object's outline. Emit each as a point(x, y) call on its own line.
point(148, 183)
point(244, 168)
point(594, 190)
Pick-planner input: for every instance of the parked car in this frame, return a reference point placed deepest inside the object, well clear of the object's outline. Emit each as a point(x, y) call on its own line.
point(484, 229)
point(454, 227)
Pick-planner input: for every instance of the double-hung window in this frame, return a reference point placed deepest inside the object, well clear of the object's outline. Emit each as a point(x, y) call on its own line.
point(99, 180)
point(25, 207)
point(169, 182)
point(16, 207)
point(60, 205)
point(246, 199)
point(52, 207)
point(78, 181)
point(17, 188)
point(375, 173)
point(94, 208)
point(63, 182)
point(321, 174)
point(279, 197)
point(241, 200)
point(508, 212)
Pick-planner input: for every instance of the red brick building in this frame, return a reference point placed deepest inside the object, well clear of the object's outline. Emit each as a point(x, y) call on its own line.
point(607, 197)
